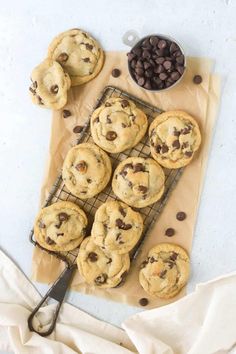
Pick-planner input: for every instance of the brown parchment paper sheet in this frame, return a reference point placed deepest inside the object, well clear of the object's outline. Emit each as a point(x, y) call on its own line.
point(199, 100)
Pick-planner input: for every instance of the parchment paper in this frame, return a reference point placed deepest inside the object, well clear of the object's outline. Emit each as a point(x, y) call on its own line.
point(199, 100)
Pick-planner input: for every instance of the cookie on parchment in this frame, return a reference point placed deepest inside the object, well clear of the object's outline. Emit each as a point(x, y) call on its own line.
point(86, 170)
point(118, 125)
point(78, 53)
point(99, 267)
point(138, 181)
point(60, 226)
point(174, 138)
point(49, 85)
point(165, 271)
point(116, 227)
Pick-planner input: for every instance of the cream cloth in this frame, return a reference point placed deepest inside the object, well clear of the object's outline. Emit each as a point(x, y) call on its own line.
point(203, 322)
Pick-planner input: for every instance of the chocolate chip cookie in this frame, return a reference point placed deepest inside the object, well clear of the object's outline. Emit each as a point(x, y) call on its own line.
point(49, 85)
point(79, 54)
point(118, 125)
point(174, 138)
point(116, 227)
point(138, 181)
point(165, 271)
point(60, 226)
point(99, 267)
point(86, 170)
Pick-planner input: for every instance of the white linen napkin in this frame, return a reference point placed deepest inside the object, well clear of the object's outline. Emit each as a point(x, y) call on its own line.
point(203, 322)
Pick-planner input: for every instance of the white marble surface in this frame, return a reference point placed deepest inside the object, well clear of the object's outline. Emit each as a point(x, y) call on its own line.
point(204, 27)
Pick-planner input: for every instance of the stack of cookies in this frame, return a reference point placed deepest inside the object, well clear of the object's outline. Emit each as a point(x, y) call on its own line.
point(73, 58)
point(103, 258)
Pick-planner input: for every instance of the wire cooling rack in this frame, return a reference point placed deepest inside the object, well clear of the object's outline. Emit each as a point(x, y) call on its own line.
point(150, 214)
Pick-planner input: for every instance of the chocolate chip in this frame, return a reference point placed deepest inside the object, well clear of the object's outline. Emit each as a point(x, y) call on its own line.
point(180, 69)
point(143, 301)
point(163, 76)
point(32, 90)
point(86, 60)
point(143, 264)
point(164, 149)
point(186, 130)
point(89, 180)
point(176, 144)
point(174, 256)
point(124, 103)
point(162, 44)
point(130, 56)
point(188, 153)
point(185, 145)
point(115, 73)
point(152, 260)
point(96, 120)
point(176, 132)
point(175, 75)
point(60, 234)
point(54, 89)
point(159, 69)
point(66, 113)
point(197, 79)
point(139, 71)
point(170, 232)
point(143, 189)
point(146, 65)
point(160, 60)
point(137, 51)
point(41, 225)
point(162, 274)
point(101, 279)
point(122, 211)
point(111, 135)
point(62, 58)
point(63, 217)
point(108, 120)
point(122, 225)
point(180, 59)
point(78, 129)
point(81, 167)
point(109, 261)
point(181, 215)
point(141, 81)
point(89, 46)
point(167, 64)
point(154, 40)
point(158, 149)
point(139, 167)
point(93, 257)
point(107, 104)
point(50, 241)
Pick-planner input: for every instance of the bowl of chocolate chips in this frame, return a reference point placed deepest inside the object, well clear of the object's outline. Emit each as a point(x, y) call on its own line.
point(156, 62)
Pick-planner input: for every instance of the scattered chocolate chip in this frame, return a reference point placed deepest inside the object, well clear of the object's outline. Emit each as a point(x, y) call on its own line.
point(170, 232)
point(164, 149)
point(122, 225)
point(63, 217)
point(143, 301)
point(181, 215)
point(93, 257)
point(66, 113)
point(41, 225)
point(86, 60)
point(124, 103)
point(139, 167)
point(111, 135)
point(50, 241)
point(176, 144)
point(122, 211)
point(62, 58)
point(174, 256)
point(81, 167)
point(89, 46)
point(162, 274)
point(54, 89)
point(143, 189)
point(188, 153)
point(101, 279)
point(197, 79)
point(115, 73)
point(78, 129)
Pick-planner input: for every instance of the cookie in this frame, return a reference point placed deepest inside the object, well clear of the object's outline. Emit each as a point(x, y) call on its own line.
point(118, 125)
point(60, 226)
point(138, 181)
point(116, 227)
point(99, 267)
point(79, 54)
point(165, 271)
point(174, 138)
point(49, 85)
point(86, 170)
